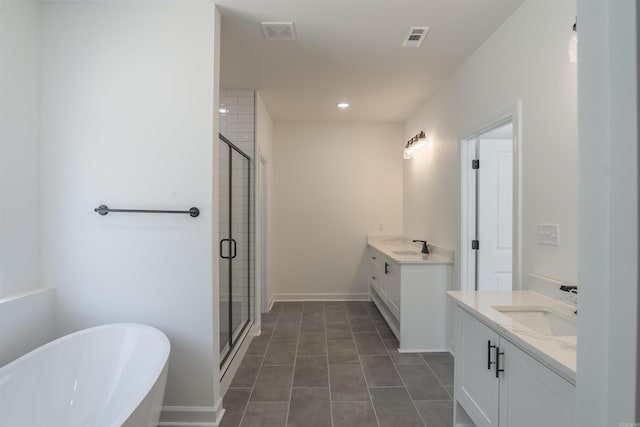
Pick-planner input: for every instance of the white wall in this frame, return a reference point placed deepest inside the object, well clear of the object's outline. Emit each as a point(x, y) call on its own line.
point(215, 231)
point(27, 321)
point(332, 185)
point(608, 267)
point(264, 128)
point(19, 145)
point(264, 142)
point(128, 121)
point(525, 59)
point(30, 313)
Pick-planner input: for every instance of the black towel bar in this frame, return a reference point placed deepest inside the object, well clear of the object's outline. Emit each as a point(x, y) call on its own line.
point(104, 209)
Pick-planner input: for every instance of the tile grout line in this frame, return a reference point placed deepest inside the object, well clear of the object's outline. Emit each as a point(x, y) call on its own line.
point(244, 412)
point(413, 402)
point(435, 375)
point(326, 343)
point(366, 383)
point(386, 386)
point(293, 373)
point(352, 334)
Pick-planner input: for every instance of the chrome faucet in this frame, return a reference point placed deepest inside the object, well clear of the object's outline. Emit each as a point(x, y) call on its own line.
point(425, 246)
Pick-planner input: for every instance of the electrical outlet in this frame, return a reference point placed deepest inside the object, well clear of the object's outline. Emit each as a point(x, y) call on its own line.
point(549, 234)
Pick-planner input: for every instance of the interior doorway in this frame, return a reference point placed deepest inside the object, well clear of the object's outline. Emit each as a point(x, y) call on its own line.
point(490, 207)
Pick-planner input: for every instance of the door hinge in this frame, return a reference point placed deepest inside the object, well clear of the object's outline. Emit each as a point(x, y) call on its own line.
point(475, 164)
point(475, 244)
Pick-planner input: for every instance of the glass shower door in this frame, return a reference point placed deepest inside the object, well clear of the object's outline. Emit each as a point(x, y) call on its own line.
point(225, 247)
point(235, 259)
point(240, 267)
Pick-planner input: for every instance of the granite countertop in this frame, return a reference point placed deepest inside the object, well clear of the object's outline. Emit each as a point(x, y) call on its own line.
point(557, 352)
point(403, 251)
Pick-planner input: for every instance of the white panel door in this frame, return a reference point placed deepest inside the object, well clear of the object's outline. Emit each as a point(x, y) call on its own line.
point(531, 395)
point(495, 214)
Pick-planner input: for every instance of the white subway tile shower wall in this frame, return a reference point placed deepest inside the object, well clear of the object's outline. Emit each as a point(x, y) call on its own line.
point(237, 124)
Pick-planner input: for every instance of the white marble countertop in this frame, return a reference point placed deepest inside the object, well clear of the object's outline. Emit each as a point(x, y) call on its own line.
point(390, 246)
point(557, 352)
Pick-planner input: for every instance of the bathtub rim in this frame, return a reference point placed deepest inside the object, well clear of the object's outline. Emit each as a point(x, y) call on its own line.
point(157, 371)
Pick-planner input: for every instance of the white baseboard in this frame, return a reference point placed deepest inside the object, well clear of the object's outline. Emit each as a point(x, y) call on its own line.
point(191, 416)
point(321, 297)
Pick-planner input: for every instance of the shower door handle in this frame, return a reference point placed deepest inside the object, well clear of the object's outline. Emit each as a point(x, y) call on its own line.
point(221, 242)
point(235, 248)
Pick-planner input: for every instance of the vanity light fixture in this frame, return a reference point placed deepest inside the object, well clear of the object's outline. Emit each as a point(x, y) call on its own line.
point(414, 145)
point(223, 110)
point(343, 105)
point(573, 44)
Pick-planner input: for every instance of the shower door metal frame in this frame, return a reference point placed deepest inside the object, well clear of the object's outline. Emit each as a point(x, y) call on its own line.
point(232, 342)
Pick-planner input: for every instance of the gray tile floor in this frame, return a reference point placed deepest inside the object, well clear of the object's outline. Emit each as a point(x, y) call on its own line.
point(336, 364)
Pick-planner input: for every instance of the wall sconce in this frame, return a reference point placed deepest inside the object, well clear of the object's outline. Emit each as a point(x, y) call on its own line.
point(414, 145)
point(573, 44)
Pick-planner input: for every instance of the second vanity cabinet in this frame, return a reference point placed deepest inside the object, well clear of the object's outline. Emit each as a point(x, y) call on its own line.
point(498, 384)
point(411, 296)
point(385, 279)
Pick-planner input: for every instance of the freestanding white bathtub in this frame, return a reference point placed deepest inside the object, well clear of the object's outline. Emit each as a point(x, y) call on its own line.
point(112, 375)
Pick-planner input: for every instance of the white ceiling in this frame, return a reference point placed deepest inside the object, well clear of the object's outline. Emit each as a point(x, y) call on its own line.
point(351, 50)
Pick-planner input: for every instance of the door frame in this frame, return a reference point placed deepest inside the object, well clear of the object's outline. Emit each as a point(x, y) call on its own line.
point(234, 346)
point(513, 114)
point(262, 215)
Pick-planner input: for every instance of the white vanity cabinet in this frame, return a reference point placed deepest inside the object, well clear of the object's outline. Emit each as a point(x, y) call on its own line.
point(498, 384)
point(411, 297)
point(377, 273)
point(475, 385)
point(385, 279)
point(531, 394)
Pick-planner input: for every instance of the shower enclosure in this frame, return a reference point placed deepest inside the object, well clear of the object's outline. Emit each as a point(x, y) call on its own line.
point(235, 241)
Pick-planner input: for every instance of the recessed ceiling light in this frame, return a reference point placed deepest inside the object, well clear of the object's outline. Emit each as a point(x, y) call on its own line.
point(223, 110)
point(343, 105)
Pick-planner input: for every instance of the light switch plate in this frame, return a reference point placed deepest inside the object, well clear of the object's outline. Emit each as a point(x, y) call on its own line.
point(549, 234)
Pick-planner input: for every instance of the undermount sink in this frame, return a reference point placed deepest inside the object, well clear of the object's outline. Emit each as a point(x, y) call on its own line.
point(407, 253)
point(541, 319)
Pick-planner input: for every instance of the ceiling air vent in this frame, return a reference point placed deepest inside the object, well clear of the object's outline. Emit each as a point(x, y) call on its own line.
point(278, 30)
point(415, 36)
